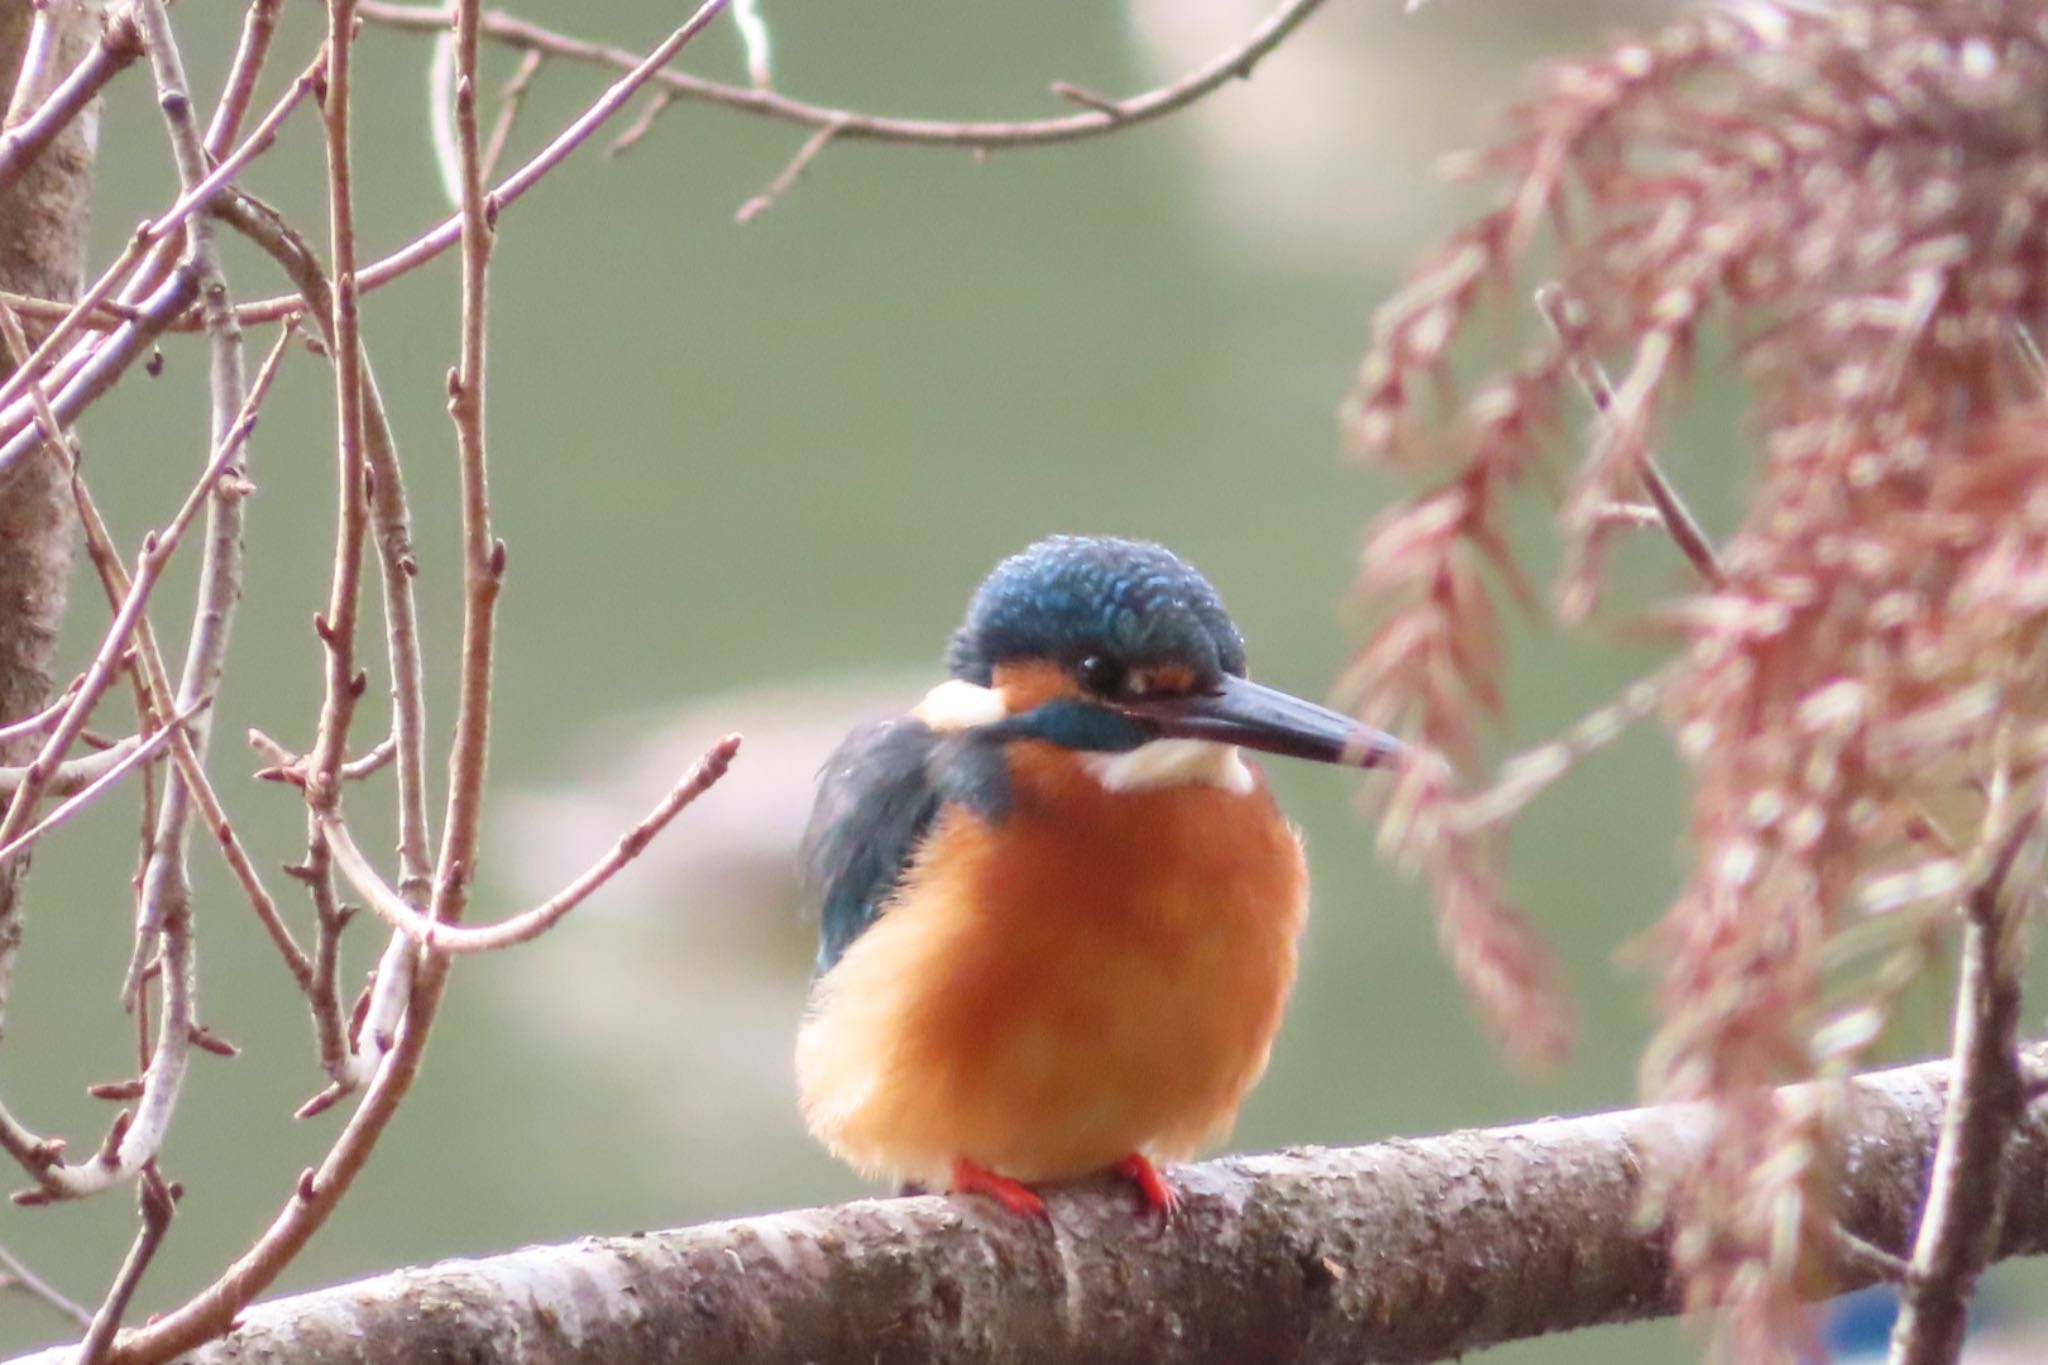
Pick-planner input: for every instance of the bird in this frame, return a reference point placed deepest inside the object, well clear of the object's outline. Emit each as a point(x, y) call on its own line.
point(1059, 911)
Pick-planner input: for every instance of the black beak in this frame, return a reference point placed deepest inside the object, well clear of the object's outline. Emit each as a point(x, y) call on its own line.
point(1240, 711)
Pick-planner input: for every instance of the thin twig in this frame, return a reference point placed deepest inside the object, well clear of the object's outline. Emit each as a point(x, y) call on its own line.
point(1678, 520)
point(1866, 1260)
point(165, 913)
point(437, 937)
point(1236, 63)
point(155, 293)
point(197, 194)
point(510, 98)
point(286, 766)
point(780, 185)
point(92, 369)
point(1089, 99)
point(1967, 1189)
point(643, 123)
point(27, 1281)
point(1233, 64)
point(43, 721)
point(107, 316)
point(483, 557)
point(128, 757)
point(74, 776)
point(259, 27)
point(155, 682)
point(391, 519)
point(337, 625)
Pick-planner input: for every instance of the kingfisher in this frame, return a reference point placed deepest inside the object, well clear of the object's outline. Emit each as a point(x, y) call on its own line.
point(1059, 911)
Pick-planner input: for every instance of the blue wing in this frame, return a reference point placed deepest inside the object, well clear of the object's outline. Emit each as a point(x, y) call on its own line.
point(875, 802)
point(880, 792)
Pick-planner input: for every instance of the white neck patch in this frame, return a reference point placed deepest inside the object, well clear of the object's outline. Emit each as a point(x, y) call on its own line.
point(1172, 763)
point(959, 705)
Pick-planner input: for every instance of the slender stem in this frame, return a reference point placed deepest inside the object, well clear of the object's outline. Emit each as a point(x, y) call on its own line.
point(259, 26)
point(34, 1285)
point(814, 146)
point(408, 686)
point(510, 98)
point(483, 559)
point(158, 1203)
point(166, 895)
point(1967, 1190)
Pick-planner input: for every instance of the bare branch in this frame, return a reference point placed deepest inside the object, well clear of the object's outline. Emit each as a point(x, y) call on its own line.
point(1234, 64)
point(437, 937)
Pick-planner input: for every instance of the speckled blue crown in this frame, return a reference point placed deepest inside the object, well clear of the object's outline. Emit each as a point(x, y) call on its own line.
point(1069, 597)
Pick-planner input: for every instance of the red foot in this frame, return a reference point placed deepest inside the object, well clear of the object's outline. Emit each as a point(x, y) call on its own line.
point(1159, 1196)
point(1013, 1195)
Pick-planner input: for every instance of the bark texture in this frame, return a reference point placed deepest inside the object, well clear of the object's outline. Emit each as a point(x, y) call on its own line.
point(44, 216)
point(1402, 1251)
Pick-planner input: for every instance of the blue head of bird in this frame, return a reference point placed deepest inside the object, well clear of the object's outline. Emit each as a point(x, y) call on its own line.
point(1101, 645)
point(1059, 912)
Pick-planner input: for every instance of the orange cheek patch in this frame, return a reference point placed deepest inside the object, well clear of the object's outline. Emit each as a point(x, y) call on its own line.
point(1033, 683)
point(1171, 680)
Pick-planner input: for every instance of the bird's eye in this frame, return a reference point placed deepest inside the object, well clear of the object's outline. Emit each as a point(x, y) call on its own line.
point(1102, 675)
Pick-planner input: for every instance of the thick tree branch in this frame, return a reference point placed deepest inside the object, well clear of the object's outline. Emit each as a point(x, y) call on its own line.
point(44, 213)
point(1403, 1251)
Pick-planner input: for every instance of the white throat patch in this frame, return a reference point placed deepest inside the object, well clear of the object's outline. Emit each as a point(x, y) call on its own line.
point(959, 705)
point(1172, 763)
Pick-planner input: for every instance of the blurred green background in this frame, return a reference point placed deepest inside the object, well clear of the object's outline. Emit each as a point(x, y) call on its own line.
point(748, 476)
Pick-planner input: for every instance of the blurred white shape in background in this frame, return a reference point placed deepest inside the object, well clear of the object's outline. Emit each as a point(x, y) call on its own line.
point(731, 855)
point(677, 989)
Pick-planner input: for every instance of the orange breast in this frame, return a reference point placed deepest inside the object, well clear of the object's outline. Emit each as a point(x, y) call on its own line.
point(1099, 975)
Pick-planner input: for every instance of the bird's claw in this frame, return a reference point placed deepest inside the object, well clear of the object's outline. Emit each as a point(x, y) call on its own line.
point(1160, 1197)
point(1014, 1195)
